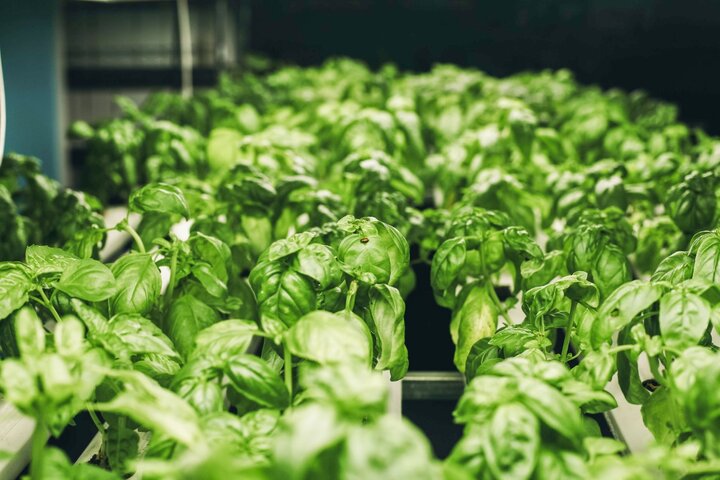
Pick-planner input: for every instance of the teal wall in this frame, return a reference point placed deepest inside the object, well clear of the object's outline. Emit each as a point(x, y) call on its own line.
point(30, 49)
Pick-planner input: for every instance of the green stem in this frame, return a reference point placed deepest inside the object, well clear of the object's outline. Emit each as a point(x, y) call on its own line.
point(39, 439)
point(49, 306)
point(654, 368)
point(566, 340)
point(496, 300)
point(620, 348)
point(288, 370)
point(171, 283)
point(350, 299)
point(96, 420)
point(125, 226)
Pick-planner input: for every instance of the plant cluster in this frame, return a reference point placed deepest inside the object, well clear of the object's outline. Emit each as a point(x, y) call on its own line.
point(308, 193)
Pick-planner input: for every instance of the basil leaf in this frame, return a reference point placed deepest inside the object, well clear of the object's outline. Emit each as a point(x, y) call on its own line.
point(283, 295)
point(15, 286)
point(513, 440)
point(707, 258)
point(159, 198)
point(621, 307)
point(141, 336)
point(88, 280)
point(475, 318)
point(138, 281)
point(386, 317)
point(225, 338)
point(186, 318)
point(378, 253)
point(318, 262)
point(45, 260)
point(254, 379)
point(684, 317)
point(325, 337)
point(29, 333)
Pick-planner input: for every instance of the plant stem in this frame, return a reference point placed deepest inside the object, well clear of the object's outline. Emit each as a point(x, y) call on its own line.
point(498, 304)
point(39, 439)
point(620, 348)
point(654, 368)
point(171, 284)
point(568, 328)
point(98, 423)
point(49, 306)
point(350, 299)
point(288, 370)
point(125, 225)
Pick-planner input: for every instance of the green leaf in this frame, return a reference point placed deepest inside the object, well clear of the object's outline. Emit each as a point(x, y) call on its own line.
point(674, 269)
point(707, 258)
point(155, 408)
point(386, 318)
point(225, 338)
point(684, 318)
point(355, 392)
point(390, 447)
point(186, 318)
point(303, 434)
point(611, 270)
point(325, 337)
point(19, 384)
point(44, 260)
point(448, 262)
point(15, 285)
point(628, 372)
point(283, 295)
point(621, 307)
point(121, 446)
point(141, 336)
point(287, 246)
point(159, 198)
point(513, 439)
point(596, 369)
point(476, 318)
point(88, 280)
point(209, 280)
point(94, 321)
point(69, 336)
point(29, 333)
point(213, 251)
point(254, 379)
point(663, 416)
point(206, 396)
point(138, 281)
point(552, 408)
point(318, 262)
point(377, 253)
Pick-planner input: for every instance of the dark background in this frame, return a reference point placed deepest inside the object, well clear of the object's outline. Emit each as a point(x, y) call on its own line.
point(669, 48)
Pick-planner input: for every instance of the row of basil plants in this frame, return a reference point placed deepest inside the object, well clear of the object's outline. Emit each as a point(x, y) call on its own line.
point(306, 190)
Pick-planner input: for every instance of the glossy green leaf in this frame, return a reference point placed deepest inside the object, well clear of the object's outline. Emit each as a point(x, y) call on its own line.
point(621, 307)
point(325, 337)
point(88, 280)
point(386, 317)
point(159, 198)
point(15, 285)
point(186, 318)
point(254, 379)
point(684, 318)
point(138, 284)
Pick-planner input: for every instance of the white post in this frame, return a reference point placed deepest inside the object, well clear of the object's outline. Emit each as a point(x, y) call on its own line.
point(185, 41)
